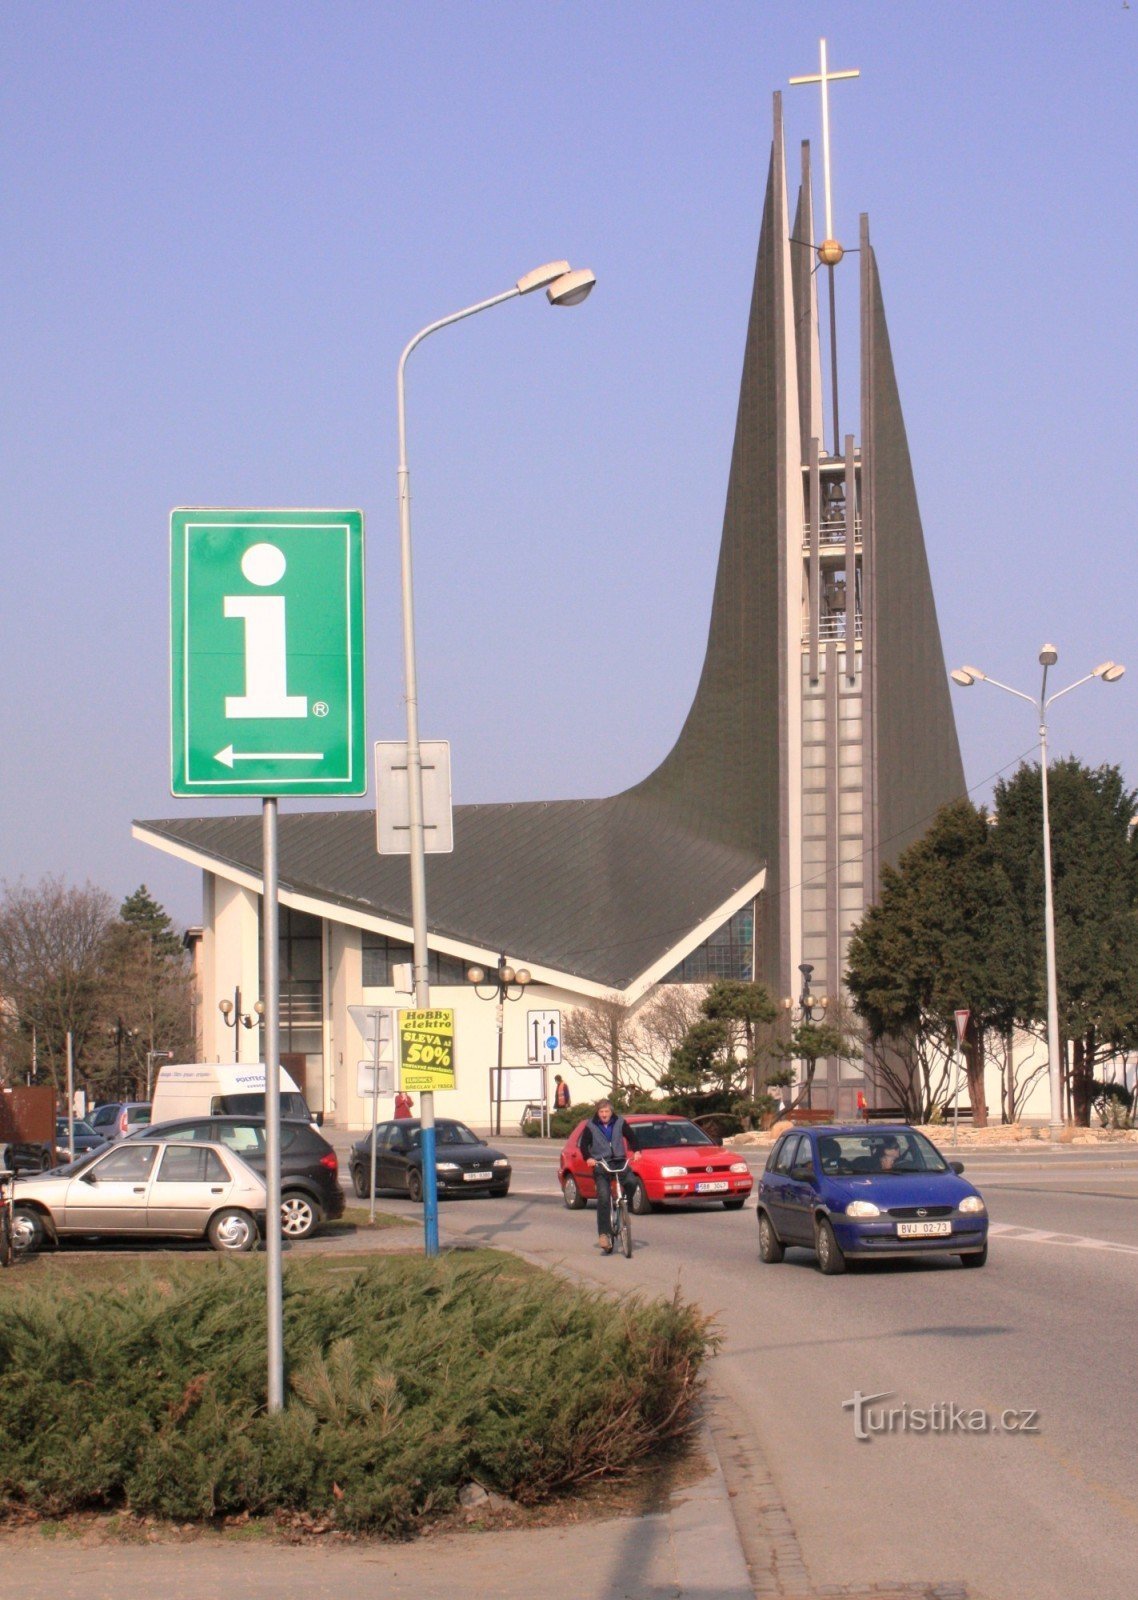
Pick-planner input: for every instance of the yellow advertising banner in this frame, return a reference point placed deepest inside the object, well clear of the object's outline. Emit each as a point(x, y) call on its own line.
point(426, 1050)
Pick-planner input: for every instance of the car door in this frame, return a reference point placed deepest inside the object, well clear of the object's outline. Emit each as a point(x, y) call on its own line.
point(801, 1194)
point(775, 1181)
point(109, 1196)
point(191, 1183)
point(391, 1157)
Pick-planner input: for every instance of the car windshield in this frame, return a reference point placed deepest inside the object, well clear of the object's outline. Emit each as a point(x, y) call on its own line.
point(456, 1133)
point(878, 1154)
point(293, 1106)
point(664, 1135)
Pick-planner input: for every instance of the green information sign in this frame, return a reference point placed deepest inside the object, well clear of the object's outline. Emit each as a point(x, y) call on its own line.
point(267, 653)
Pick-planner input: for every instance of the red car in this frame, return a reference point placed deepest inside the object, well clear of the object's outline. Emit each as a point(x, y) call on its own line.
point(673, 1160)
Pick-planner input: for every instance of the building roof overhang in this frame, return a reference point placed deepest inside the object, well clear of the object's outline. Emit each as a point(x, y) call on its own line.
point(595, 896)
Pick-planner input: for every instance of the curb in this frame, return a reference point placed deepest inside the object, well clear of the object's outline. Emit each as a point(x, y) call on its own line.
point(706, 1551)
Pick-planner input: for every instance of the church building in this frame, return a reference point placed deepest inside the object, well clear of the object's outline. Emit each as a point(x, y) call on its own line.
point(820, 743)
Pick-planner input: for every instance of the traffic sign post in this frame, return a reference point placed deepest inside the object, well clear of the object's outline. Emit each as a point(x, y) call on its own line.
point(377, 1074)
point(267, 699)
point(267, 658)
point(962, 1017)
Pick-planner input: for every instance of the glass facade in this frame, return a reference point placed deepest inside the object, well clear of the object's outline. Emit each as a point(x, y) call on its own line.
point(380, 954)
point(728, 953)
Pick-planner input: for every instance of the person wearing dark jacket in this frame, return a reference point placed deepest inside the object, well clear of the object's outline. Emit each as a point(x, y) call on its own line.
point(608, 1137)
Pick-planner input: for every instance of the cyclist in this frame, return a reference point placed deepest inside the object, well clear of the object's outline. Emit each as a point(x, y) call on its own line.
point(608, 1136)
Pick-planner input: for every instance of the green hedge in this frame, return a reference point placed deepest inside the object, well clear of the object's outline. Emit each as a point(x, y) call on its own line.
point(405, 1382)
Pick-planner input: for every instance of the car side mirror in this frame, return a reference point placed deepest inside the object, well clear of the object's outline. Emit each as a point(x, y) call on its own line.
point(717, 1138)
point(88, 1177)
point(319, 1116)
point(957, 1167)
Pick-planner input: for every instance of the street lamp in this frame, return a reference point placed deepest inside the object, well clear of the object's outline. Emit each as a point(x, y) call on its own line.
point(501, 982)
point(1108, 672)
point(235, 1018)
point(151, 1057)
point(563, 287)
point(809, 1010)
point(121, 1034)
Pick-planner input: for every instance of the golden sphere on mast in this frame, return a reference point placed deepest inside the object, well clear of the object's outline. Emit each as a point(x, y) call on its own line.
point(830, 252)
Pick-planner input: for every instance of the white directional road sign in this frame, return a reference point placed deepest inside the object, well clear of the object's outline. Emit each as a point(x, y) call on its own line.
point(267, 653)
point(543, 1037)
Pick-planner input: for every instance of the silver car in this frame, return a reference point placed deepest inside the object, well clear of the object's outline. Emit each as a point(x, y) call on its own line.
point(145, 1189)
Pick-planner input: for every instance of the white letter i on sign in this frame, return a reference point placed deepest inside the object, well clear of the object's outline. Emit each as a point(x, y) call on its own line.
point(266, 655)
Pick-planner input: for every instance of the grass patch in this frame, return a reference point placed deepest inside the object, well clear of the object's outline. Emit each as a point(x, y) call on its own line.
point(406, 1379)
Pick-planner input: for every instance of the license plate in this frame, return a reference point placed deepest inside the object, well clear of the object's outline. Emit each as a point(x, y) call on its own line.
point(477, 1177)
point(923, 1230)
point(711, 1188)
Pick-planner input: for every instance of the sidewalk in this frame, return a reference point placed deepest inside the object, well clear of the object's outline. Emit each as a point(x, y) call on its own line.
point(690, 1551)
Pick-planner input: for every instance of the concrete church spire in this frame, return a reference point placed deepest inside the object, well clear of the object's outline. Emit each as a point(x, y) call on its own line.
point(821, 733)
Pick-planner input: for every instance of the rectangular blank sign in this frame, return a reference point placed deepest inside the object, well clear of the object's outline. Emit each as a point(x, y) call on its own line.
point(393, 802)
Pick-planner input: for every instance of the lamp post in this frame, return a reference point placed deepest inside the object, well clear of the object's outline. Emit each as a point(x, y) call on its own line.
point(501, 982)
point(563, 287)
point(1108, 672)
point(151, 1057)
point(236, 1019)
point(120, 1033)
point(808, 1010)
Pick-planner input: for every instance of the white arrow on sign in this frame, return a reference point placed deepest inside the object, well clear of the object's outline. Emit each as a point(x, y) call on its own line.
point(228, 756)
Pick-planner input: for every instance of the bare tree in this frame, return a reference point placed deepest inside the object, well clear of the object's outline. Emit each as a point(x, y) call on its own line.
point(627, 1047)
point(52, 945)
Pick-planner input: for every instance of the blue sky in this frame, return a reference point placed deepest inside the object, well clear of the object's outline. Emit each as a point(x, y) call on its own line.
point(222, 223)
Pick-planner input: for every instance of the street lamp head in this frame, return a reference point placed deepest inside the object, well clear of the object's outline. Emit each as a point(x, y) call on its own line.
point(506, 974)
point(1048, 656)
point(1110, 671)
point(259, 1008)
point(540, 276)
point(571, 288)
point(962, 676)
point(476, 975)
point(225, 1007)
point(523, 976)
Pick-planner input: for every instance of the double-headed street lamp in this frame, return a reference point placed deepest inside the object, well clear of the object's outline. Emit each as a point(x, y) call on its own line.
point(563, 287)
point(810, 1011)
point(502, 981)
point(1107, 672)
point(235, 1018)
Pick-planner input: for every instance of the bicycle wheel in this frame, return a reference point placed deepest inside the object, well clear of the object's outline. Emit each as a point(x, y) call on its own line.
point(626, 1230)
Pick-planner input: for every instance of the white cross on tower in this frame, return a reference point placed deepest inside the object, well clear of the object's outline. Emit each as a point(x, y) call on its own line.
point(826, 78)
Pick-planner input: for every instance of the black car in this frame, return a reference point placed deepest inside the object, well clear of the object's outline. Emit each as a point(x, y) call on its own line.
point(41, 1157)
point(464, 1163)
point(310, 1171)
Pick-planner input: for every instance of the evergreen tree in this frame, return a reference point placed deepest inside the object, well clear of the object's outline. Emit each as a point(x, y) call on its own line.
point(1094, 864)
point(946, 934)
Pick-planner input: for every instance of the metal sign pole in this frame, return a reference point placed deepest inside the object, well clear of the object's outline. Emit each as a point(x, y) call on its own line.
point(374, 1121)
point(271, 996)
point(70, 1099)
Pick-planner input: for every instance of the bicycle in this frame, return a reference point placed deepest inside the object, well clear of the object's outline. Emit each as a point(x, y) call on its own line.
point(620, 1215)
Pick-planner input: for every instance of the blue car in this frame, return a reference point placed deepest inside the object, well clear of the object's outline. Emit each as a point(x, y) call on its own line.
point(856, 1193)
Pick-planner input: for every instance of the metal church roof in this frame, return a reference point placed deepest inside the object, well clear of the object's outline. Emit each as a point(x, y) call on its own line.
point(603, 890)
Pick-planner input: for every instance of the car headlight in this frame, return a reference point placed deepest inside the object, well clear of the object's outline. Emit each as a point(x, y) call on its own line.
point(446, 1166)
point(673, 1172)
point(972, 1202)
point(862, 1208)
point(739, 1166)
point(501, 1162)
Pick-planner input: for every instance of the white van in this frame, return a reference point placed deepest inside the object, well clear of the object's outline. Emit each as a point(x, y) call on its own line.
point(205, 1089)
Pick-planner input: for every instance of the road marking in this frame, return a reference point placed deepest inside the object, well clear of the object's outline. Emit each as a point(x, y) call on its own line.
point(1019, 1235)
